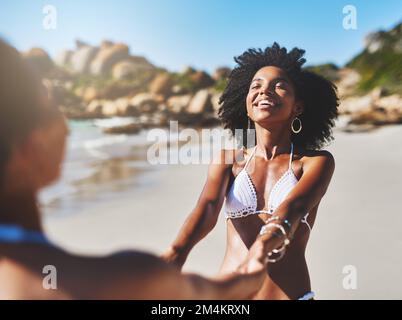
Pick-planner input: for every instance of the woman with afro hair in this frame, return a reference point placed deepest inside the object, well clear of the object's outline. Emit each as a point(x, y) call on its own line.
point(271, 187)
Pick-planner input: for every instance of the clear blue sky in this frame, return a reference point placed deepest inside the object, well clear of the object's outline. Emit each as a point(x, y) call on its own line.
point(202, 33)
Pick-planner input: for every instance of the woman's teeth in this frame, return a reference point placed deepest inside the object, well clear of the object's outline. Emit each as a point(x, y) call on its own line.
point(265, 103)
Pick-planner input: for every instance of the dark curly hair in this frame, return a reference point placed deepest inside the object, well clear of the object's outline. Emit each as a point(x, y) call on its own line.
point(318, 94)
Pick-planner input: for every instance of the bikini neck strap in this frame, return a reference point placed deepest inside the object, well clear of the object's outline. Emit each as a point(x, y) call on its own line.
point(291, 155)
point(255, 148)
point(250, 157)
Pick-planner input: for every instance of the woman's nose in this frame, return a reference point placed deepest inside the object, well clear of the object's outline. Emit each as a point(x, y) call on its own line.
point(266, 90)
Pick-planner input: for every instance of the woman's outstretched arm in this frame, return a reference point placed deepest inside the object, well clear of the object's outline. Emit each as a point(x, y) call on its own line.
point(167, 282)
point(204, 216)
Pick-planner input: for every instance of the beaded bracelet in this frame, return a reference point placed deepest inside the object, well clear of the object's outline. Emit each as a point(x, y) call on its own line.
point(282, 253)
point(278, 226)
point(282, 248)
point(264, 231)
point(285, 221)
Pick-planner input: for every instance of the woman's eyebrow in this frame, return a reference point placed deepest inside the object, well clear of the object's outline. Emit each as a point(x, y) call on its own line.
point(281, 79)
point(273, 80)
point(256, 79)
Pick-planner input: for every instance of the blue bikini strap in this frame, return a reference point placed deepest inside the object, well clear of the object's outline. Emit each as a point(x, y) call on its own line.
point(10, 233)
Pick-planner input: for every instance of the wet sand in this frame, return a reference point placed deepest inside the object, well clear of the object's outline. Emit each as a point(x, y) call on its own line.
point(357, 224)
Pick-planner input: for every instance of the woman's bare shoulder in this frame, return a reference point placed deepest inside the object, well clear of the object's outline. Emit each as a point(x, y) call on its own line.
point(316, 157)
point(309, 154)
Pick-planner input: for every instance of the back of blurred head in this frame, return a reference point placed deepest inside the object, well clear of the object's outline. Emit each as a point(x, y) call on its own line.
point(32, 131)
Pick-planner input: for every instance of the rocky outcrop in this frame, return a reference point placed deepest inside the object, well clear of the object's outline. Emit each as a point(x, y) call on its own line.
point(200, 103)
point(348, 82)
point(82, 58)
point(376, 116)
point(146, 102)
point(131, 67)
point(108, 108)
point(355, 104)
point(201, 79)
point(187, 70)
point(161, 85)
point(90, 93)
point(371, 110)
point(107, 56)
point(106, 81)
point(374, 41)
point(380, 62)
point(63, 58)
point(178, 103)
point(221, 73)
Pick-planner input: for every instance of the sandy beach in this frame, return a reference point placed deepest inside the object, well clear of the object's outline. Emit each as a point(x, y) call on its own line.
point(357, 224)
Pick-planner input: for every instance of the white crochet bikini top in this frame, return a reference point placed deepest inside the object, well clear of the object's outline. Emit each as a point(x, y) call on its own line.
point(241, 200)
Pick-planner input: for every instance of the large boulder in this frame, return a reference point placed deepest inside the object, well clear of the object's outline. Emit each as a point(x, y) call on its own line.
point(146, 102)
point(177, 104)
point(221, 73)
point(377, 116)
point(161, 85)
point(125, 107)
point(107, 57)
point(95, 107)
point(391, 103)
point(109, 108)
point(106, 44)
point(117, 89)
point(348, 82)
point(383, 110)
point(187, 70)
point(355, 104)
point(131, 67)
point(378, 92)
point(82, 58)
point(200, 103)
point(202, 79)
point(79, 44)
point(376, 99)
point(63, 58)
point(89, 94)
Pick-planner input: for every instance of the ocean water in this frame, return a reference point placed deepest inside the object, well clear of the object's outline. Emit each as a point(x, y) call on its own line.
point(94, 160)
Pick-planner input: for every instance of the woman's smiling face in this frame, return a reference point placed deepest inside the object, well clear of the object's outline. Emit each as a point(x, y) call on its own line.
point(271, 97)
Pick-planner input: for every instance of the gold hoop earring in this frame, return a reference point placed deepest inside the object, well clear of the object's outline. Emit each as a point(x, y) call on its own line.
point(300, 125)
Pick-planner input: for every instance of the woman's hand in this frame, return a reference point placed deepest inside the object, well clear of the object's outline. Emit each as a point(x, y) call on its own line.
point(173, 256)
point(256, 260)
